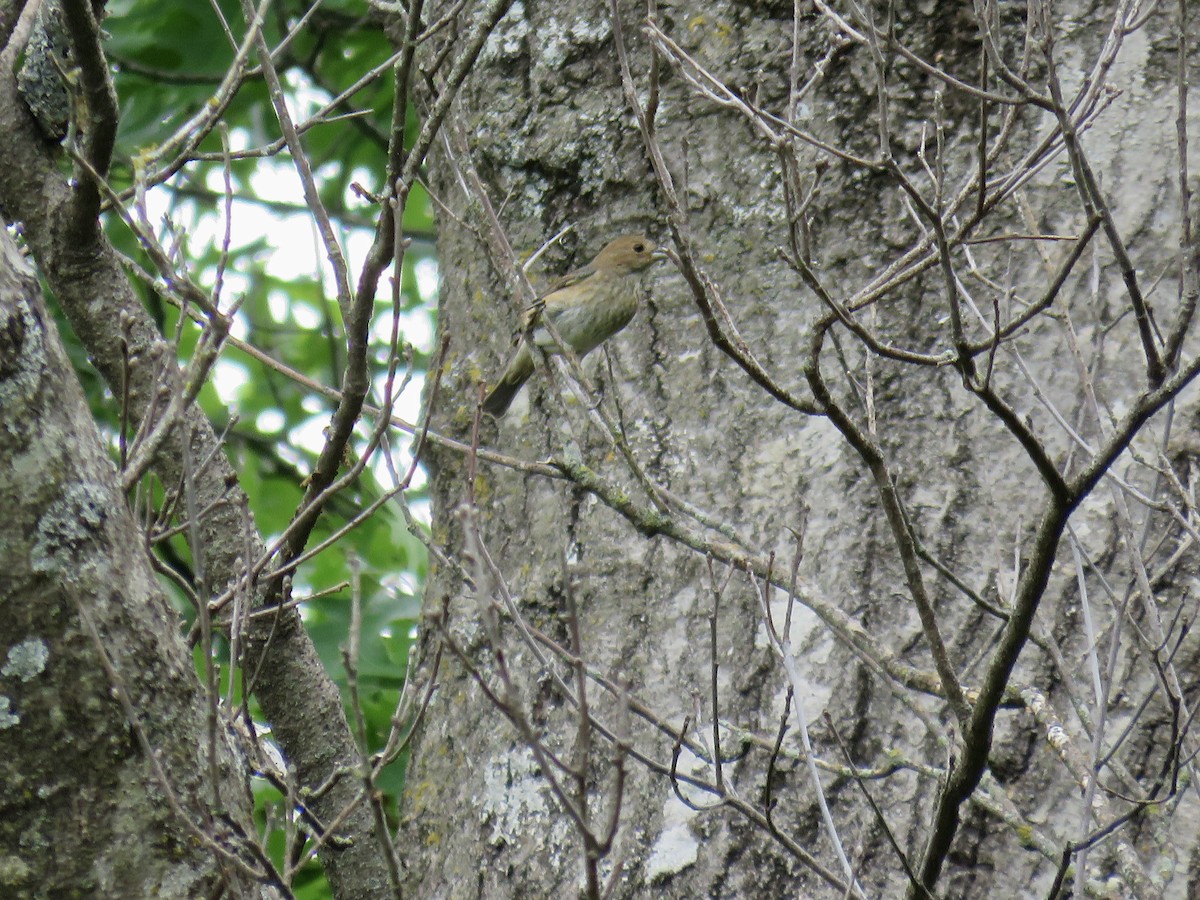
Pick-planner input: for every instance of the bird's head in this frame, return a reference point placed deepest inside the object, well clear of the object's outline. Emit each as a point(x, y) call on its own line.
point(628, 253)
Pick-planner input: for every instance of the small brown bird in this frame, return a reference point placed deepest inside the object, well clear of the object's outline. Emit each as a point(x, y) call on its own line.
point(586, 307)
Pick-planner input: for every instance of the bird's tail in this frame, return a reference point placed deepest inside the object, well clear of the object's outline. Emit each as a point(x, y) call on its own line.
point(516, 373)
point(500, 397)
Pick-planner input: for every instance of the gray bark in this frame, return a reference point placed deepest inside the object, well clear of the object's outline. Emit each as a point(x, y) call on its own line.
point(553, 141)
point(61, 226)
point(94, 672)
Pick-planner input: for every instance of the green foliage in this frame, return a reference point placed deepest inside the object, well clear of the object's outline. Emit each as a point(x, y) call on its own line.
point(169, 60)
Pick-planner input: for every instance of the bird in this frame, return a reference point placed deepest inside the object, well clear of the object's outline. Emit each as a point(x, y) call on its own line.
point(586, 307)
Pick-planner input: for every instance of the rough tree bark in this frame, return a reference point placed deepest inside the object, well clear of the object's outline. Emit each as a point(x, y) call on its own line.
point(60, 222)
point(946, 487)
point(95, 673)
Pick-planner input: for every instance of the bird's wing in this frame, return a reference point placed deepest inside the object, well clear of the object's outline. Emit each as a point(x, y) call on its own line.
point(569, 279)
point(563, 294)
point(529, 317)
point(554, 296)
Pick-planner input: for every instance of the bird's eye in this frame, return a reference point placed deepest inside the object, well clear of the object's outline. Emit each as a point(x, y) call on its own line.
point(639, 248)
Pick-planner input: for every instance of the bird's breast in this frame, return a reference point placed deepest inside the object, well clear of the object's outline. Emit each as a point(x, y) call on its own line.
point(598, 314)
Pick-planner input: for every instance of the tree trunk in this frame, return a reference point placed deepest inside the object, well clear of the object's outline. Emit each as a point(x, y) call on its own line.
point(60, 224)
point(987, 531)
point(111, 788)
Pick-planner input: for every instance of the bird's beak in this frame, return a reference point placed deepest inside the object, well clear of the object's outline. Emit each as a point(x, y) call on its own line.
point(659, 254)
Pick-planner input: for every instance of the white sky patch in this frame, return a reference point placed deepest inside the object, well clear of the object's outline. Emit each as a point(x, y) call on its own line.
point(408, 404)
point(416, 328)
point(422, 510)
point(270, 421)
point(228, 379)
point(427, 277)
point(305, 316)
point(239, 327)
point(278, 304)
point(312, 404)
point(292, 457)
point(403, 582)
point(309, 434)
